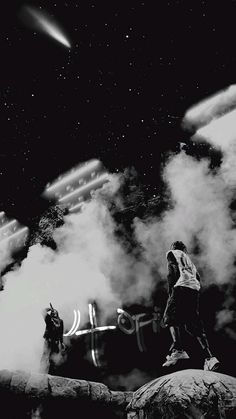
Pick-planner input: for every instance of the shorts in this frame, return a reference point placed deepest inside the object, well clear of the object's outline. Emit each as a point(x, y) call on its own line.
point(182, 308)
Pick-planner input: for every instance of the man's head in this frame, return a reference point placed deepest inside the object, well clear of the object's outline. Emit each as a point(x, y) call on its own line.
point(178, 245)
point(54, 313)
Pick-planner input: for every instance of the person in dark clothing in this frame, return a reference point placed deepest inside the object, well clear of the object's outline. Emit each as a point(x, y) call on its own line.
point(53, 337)
point(182, 309)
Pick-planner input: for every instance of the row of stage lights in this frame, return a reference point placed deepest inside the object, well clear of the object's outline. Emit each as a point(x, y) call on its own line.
point(71, 190)
point(77, 186)
point(11, 232)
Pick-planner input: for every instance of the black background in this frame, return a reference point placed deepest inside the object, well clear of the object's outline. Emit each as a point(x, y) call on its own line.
point(119, 94)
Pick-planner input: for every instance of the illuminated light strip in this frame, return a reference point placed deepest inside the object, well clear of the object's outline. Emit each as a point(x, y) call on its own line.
point(76, 206)
point(75, 323)
point(217, 102)
point(7, 225)
point(14, 235)
point(95, 329)
point(92, 331)
point(93, 322)
point(92, 316)
point(79, 172)
point(83, 188)
point(221, 131)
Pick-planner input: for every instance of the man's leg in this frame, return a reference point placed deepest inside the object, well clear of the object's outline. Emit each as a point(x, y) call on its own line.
point(53, 356)
point(177, 338)
point(174, 320)
point(44, 363)
point(176, 349)
point(196, 329)
point(202, 339)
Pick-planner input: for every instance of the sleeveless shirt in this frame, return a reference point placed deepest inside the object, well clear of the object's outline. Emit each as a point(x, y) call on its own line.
point(187, 270)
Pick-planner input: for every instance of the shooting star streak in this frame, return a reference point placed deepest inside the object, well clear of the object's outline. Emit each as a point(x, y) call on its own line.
point(75, 175)
point(83, 188)
point(45, 23)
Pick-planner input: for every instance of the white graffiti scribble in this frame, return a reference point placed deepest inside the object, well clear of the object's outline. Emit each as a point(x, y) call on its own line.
point(127, 323)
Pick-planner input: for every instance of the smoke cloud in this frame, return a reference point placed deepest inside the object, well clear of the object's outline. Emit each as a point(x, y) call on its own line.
point(198, 213)
point(91, 263)
point(199, 198)
point(68, 278)
point(199, 201)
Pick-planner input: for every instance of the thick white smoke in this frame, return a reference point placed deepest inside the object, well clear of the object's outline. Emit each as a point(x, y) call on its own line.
point(68, 278)
point(199, 197)
point(199, 200)
point(199, 211)
point(89, 264)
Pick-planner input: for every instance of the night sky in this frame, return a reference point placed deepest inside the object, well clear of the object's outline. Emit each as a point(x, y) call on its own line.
point(119, 94)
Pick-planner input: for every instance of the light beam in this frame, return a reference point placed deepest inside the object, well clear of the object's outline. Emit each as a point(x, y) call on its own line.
point(83, 188)
point(75, 207)
point(7, 225)
point(14, 235)
point(81, 171)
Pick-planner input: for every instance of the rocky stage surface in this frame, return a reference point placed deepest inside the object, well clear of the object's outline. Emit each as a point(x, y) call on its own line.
point(187, 394)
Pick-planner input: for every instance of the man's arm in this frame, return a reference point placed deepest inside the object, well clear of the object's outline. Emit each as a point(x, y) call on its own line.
point(173, 271)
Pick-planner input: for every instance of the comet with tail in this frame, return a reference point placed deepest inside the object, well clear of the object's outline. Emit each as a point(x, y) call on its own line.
point(43, 22)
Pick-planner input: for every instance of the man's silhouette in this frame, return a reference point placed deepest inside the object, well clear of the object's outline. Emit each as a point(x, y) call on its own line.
point(182, 310)
point(53, 338)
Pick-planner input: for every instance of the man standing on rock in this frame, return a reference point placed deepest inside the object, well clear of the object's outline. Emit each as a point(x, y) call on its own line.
point(182, 310)
point(53, 337)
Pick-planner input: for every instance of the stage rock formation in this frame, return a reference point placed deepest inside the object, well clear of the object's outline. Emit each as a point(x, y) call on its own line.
point(41, 386)
point(21, 392)
point(187, 394)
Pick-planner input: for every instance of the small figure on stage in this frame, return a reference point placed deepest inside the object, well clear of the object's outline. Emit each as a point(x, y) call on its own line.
point(53, 338)
point(182, 309)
